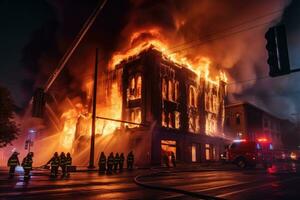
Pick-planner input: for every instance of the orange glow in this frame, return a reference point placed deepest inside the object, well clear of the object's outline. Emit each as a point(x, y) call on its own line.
point(111, 104)
point(262, 139)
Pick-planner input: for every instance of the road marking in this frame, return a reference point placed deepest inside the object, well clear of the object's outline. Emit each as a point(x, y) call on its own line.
point(255, 187)
point(212, 188)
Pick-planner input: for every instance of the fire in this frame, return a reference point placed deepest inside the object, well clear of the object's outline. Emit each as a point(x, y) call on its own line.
point(112, 108)
point(199, 66)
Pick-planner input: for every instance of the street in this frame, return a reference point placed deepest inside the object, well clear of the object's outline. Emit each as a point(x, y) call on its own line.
point(224, 184)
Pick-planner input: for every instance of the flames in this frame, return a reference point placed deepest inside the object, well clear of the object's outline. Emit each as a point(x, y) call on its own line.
point(200, 65)
point(112, 108)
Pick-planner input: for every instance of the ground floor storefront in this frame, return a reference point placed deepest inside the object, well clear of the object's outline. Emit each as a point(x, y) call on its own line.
point(153, 147)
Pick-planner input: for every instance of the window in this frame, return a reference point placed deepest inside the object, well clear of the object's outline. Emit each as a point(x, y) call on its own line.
point(135, 115)
point(215, 104)
point(194, 153)
point(176, 91)
point(135, 88)
point(164, 89)
point(139, 86)
point(170, 90)
point(238, 119)
point(170, 122)
point(177, 119)
point(192, 97)
point(207, 152)
point(164, 119)
point(211, 124)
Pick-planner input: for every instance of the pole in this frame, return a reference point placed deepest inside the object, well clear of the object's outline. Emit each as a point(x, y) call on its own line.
point(74, 44)
point(92, 149)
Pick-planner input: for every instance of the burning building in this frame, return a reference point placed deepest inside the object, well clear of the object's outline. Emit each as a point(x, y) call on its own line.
point(175, 109)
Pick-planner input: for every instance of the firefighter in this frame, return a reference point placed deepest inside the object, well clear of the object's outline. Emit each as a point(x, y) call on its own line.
point(116, 161)
point(166, 159)
point(54, 162)
point(110, 163)
point(27, 165)
point(130, 160)
point(173, 159)
point(68, 163)
point(12, 163)
point(102, 163)
point(63, 164)
point(121, 163)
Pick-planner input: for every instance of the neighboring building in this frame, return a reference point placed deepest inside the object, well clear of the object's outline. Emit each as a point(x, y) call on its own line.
point(184, 112)
point(246, 121)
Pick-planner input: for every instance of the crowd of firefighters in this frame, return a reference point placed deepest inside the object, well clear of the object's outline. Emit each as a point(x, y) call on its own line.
point(113, 163)
point(109, 165)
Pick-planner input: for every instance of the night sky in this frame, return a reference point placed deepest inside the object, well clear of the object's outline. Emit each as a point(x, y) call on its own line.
point(30, 30)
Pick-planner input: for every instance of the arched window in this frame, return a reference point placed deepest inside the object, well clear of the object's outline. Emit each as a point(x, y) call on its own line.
point(192, 97)
point(163, 119)
point(170, 90)
point(176, 91)
point(177, 119)
point(139, 86)
point(164, 88)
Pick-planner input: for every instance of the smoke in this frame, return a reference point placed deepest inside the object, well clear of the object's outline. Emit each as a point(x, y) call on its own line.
point(192, 28)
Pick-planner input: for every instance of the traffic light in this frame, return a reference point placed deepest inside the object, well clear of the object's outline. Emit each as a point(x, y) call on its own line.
point(38, 104)
point(277, 50)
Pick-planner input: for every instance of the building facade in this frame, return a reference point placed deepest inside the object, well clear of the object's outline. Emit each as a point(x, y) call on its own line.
point(246, 121)
point(179, 111)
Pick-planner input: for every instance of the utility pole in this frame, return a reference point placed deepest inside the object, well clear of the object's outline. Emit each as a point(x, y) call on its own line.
point(92, 148)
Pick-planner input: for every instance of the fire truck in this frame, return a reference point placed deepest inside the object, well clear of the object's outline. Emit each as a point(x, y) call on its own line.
point(245, 153)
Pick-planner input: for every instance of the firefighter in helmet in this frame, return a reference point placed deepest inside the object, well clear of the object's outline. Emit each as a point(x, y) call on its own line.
point(121, 163)
point(12, 163)
point(68, 164)
point(102, 163)
point(110, 162)
point(27, 165)
point(62, 164)
point(116, 161)
point(54, 163)
point(173, 159)
point(130, 160)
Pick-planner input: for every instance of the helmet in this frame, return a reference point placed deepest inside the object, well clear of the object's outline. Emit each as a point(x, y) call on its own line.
point(55, 154)
point(68, 154)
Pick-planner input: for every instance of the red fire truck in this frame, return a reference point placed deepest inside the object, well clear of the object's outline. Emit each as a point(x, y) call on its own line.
point(245, 153)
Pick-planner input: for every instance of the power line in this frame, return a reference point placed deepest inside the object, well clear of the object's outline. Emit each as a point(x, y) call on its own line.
point(228, 28)
point(224, 36)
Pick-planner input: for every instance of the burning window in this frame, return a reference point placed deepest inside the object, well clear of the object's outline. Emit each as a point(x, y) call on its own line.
point(164, 88)
point(135, 88)
point(170, 90)
point(164, 119)
point(194, 123)
point(177, 119)
point(170, 120)
point(176, 90)
point(211, 124)
point(135, 115)
point(192, 96)
point(139, 86)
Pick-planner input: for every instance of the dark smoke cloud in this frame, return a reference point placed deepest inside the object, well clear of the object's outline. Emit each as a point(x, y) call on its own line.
point(242, 55)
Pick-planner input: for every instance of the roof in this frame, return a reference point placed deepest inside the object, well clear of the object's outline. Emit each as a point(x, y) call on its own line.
point(244, 103)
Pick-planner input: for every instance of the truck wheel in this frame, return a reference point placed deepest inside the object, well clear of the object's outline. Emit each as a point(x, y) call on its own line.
point(241, 163)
